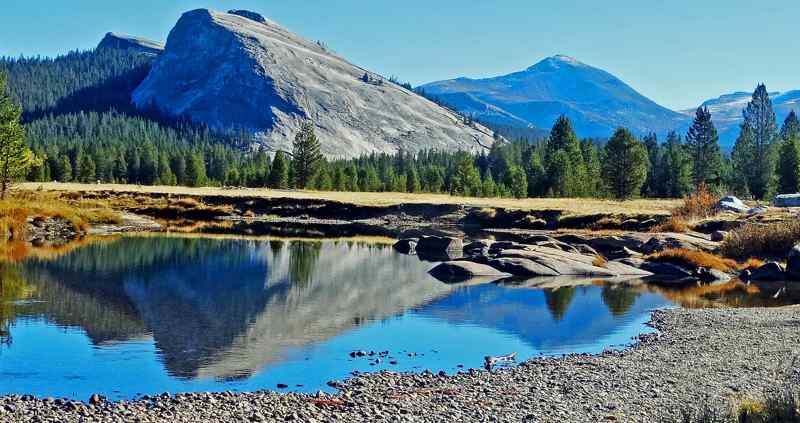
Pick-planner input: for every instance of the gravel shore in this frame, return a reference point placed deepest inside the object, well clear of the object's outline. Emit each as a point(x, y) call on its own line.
point(711, 355)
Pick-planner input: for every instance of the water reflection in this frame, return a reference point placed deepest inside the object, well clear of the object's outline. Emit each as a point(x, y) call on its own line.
point(203, 314)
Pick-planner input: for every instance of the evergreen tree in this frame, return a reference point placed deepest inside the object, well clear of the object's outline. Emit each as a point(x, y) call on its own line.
point(86, 169)
point(537, 177)
point(307, 156)
point(518, 182)
point(489, 186)
point(760, 120)
point(676, 169)
point(742, 159)
point(165, 175)
point(466, 180)
point(702, 143)
point(566, 174)
point(651, 185)
point(15, 157)
point(789, 157)
point(412, 180)
point(626, 163)
point(279, 174)
point(195, 170)
point(64, 169)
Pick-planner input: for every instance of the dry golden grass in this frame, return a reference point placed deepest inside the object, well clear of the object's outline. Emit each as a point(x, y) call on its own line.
point(773, 240)
point(21, 205)
point(673, 224)
point(693, 259)
point(571, 206)
point(599, 261)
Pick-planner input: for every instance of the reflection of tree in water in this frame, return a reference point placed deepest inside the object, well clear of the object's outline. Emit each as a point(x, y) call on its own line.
point(12, 289)
point(558, 300)
point(302, 260)
point(618, 299)
point(276, 246)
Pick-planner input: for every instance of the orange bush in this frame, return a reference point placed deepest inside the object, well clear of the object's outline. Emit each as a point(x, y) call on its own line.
point(693, 259)
point(674, 224)
point(699, 204)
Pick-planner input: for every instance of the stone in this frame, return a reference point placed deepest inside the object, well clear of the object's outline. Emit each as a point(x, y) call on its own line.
point(253, 16)
point(647, 224)
point(440, 244)
point(241, 71)
point(406, 246)
point(718, 236)
point(758, 210)
point(96, 399)
point(462, 270)
point(787, 200)
point(666, 269)
point(793, 263)
point(623, 253)
point(622, 269)
point(772, 271)
point(733, 204)
point(521, 267)
point(478, 247)
point(657, 245)
point(711, 275)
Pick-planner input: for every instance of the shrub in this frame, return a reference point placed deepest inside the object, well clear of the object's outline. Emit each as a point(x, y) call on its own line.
point(674, 224)
point(701, 203)
point(693, 259)
point(773, 240)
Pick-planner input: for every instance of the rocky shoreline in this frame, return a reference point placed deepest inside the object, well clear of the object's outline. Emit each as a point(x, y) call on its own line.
point(697, 356)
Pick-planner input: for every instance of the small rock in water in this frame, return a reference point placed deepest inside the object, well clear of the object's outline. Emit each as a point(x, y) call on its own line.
point(97, 399)
point(282, 386)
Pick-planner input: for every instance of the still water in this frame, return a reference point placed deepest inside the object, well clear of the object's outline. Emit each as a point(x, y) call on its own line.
point(144, 315)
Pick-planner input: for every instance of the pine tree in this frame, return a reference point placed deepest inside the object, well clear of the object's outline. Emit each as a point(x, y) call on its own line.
point(789, 157)
point(625, 167)
point(537, 177)
point(87, 171)
point(466, 180)
point(15, 157)
point(742, 159)
point(676, 169)
point(279, 174)
point(760, 120)
point(567, 174)
point(196, 170)
point(165, 175)
point(412, 180)
point(489, 186)
point(518, 182)
point(64, 169)
point(307, 155)
point(702, 143)
point(651, 187)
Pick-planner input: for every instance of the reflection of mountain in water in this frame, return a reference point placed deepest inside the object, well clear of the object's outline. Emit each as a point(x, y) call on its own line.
point(544, 318)
point(224, 309)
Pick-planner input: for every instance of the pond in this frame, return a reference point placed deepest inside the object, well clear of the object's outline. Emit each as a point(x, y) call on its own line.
point(139, 315)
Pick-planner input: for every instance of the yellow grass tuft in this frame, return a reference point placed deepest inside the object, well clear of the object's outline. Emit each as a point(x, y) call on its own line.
point(693, 259)
point(673, 224)
point(773, 240)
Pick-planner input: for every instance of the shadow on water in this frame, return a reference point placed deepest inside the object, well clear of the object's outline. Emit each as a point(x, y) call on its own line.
point(211, 314)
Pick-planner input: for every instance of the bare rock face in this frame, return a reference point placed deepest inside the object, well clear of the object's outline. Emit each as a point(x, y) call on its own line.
point(119, 41)
point(248, 73)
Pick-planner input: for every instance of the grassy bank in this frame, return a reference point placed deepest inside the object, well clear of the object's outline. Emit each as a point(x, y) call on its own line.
point(21, 206)
point(573, 206)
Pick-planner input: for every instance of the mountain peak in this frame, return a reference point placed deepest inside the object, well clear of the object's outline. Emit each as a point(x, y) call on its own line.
point(555, 62)
point(120, 41)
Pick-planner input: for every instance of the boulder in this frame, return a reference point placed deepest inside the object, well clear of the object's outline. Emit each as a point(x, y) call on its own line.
point(771, 271)
point(718, 236)
point(622, 269)
point(461, 270)
point(406, 246)
point(758, 210)
point(521, 267)
point(436, 244)
point(711, 275)
point(623, 253)
point(508, 245)
point(793, 263)
point(787, 200)
point(476, 248)
point(586, 250)
point(657, 245)
point(648, 224)
point(666, 269)
point(731, 203)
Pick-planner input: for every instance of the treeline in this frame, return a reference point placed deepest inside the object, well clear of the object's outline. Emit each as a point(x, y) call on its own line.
point(95, 80)
point(81, 127)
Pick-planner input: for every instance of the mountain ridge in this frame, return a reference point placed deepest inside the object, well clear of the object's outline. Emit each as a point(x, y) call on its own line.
point(595, 100)
point(231, 71)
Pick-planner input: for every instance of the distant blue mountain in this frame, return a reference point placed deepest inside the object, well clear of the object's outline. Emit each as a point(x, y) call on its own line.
point(596, 101)
point(726, 111)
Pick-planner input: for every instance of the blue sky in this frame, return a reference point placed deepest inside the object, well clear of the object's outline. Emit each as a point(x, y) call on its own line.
point(676, 52)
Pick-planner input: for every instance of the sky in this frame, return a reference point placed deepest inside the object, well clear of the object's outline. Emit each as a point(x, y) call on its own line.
point(678, 53)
